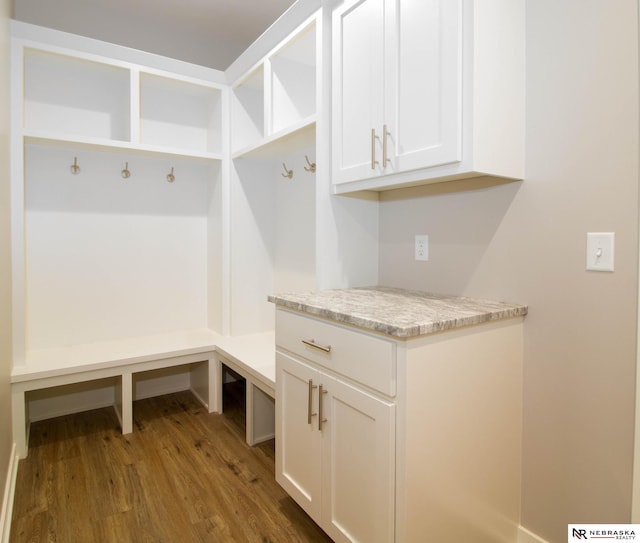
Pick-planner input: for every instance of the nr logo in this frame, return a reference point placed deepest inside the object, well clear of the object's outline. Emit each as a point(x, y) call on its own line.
point(580, 533)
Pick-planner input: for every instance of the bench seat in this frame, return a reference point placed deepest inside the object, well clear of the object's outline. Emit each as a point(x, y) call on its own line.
point(42, 363)
point(204, 351)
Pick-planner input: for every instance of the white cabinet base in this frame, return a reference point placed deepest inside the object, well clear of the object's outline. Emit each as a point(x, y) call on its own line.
point(459, 435)
point(335, 452)
point(437, 461)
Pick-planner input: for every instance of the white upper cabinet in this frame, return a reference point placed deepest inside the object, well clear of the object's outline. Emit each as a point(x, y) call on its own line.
point(426, 91)
point(358, 85)
point(396, 87)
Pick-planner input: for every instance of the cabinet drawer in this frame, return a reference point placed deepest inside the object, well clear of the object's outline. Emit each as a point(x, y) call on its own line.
point(363, 358)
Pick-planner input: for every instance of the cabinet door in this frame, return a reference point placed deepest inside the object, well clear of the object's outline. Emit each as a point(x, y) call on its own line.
point(298, 443)
point(358, 81)
point(427, 97)
point(397, 70)
point(358, 464)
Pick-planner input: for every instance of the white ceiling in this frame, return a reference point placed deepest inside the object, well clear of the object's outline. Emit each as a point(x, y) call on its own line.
point(208, 32)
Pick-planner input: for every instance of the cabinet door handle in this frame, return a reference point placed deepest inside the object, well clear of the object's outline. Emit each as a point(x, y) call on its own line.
point(321, 392)
point(373, 149)
point(312, 343)
point(385, 134)
point(310, 404)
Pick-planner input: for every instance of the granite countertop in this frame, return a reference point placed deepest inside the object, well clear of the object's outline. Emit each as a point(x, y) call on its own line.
point(397, 312)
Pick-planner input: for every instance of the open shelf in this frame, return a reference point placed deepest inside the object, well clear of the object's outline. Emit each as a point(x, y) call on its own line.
point(74, 96)
point(101, 144)
point(293, 81)
point(73, 101)
point(179, 115)
point(247, 111)
point(277, 99)
point(301, 134)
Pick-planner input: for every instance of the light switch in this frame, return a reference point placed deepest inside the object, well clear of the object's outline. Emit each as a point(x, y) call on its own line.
point(600, 251)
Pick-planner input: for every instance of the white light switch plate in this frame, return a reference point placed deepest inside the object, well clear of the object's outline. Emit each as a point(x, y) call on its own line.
point(600, 251)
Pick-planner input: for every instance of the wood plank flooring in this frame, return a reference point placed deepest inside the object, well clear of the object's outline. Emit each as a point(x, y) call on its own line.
point(182, 476)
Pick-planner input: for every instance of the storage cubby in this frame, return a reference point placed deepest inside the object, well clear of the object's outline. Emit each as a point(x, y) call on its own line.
point(63, 400)
point(75, 98)
point(273, 217)
point(100, 255)
point(156, 382)
point(179, 115)
point(273, 235)
point(109, 257)
point(293, 82)
point(247, 111)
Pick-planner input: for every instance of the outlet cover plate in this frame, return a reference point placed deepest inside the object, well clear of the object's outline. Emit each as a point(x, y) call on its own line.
point(421, 247)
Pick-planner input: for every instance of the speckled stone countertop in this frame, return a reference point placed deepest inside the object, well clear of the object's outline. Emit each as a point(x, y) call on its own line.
point(397, 312)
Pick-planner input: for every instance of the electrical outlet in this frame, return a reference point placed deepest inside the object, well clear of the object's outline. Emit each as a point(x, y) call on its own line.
point(421, 247)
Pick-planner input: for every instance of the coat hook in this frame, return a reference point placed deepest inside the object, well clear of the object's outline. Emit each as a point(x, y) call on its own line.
point(126, 173)
point(75, 169)
point(312, 165)
point(288, 174)
point(170, 177)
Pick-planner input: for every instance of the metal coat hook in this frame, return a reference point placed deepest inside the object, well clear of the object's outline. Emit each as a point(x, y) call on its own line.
point(126, 173)
point(75, 169)
point(312, 165)
point(289, 173)
point(170, 177)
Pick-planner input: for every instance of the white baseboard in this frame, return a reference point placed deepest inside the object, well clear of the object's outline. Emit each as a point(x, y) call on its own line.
point(160, 391)
point(70, 410)
point(7, 500)
point(525, 536)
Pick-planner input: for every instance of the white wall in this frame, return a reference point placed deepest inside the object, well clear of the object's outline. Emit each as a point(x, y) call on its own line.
point(5, 250)
point(109, 257)
point(525, 242)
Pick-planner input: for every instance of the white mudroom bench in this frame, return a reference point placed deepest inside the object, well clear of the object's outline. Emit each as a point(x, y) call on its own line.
point(202, 351)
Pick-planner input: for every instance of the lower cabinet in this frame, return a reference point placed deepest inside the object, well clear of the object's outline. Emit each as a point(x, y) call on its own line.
point(335, 453)
point(385, 440)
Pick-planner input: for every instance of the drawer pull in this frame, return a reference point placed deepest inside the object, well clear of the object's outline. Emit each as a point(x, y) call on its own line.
point(310, 402)
point(321, 392)
point(312, 343)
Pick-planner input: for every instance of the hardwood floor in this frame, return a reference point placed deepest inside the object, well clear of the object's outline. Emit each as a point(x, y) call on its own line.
point(183, 475)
